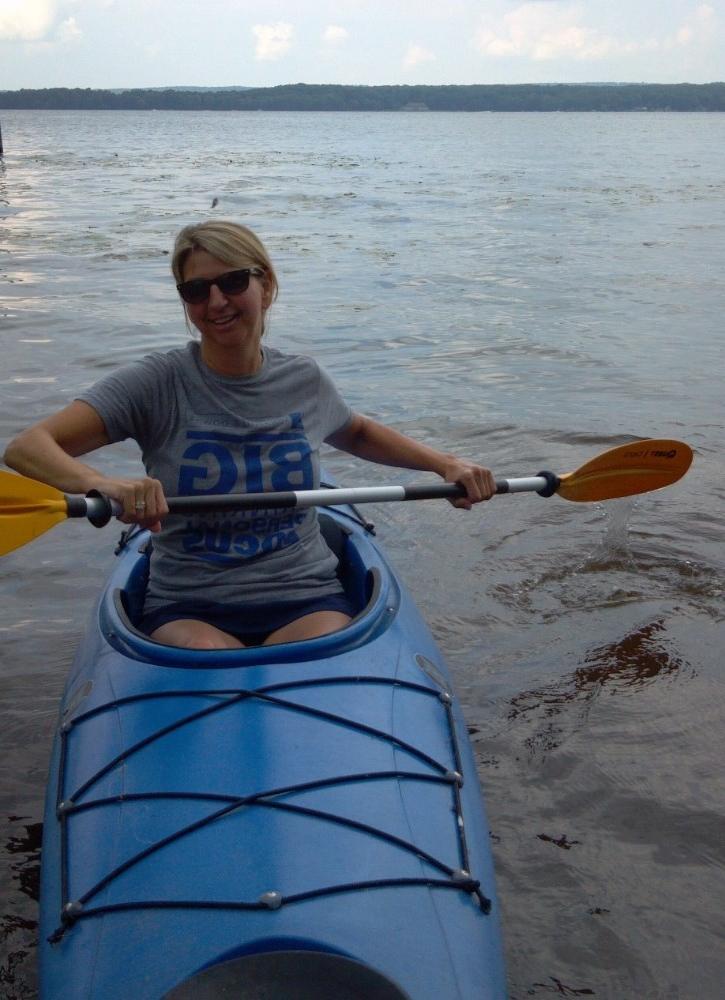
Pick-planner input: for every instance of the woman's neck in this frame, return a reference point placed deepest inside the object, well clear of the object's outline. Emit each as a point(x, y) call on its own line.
point(231, 362)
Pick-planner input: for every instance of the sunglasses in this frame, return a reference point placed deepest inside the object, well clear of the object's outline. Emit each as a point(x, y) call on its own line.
point(231, 283)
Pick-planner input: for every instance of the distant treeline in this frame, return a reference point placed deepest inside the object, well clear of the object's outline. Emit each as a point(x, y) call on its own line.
point(335, 97)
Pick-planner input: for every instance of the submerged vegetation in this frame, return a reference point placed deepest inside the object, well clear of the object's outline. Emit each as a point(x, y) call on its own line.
point(335, 97)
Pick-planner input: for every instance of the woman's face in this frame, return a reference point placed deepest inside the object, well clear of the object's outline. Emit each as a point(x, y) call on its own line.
point(232, 320)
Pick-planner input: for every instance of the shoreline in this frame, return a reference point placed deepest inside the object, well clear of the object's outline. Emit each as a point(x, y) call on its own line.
point(411, 99)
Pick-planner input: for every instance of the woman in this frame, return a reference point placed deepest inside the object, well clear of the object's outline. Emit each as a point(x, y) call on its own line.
point(219, 416)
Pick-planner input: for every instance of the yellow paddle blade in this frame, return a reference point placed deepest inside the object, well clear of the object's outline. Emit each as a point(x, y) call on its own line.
point(632, 468)
point(27, 510)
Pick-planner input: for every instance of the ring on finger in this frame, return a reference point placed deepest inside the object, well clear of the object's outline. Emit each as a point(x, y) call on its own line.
point(140, 505)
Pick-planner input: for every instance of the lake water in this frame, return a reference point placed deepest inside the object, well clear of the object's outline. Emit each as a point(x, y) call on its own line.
point(524, 289)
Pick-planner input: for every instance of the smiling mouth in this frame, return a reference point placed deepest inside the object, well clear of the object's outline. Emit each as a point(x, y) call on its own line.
point(224, 320)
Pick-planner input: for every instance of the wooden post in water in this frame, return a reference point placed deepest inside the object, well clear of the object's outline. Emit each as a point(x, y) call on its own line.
point(1, 142)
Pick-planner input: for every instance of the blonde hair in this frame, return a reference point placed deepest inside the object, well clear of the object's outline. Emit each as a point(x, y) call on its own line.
point(229, 242)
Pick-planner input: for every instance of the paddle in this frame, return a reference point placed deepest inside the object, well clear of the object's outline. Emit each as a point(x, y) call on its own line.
point(28, 509)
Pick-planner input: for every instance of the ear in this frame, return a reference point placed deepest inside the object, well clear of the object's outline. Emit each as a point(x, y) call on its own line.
point(267, 291)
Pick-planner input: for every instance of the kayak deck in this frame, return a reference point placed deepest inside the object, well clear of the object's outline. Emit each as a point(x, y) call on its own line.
point(309, 799)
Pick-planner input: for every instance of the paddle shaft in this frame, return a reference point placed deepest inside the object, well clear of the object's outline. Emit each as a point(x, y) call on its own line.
point(100, 509)
point(28, 508)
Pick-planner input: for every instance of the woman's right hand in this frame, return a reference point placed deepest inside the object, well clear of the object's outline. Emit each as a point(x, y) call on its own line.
point(143, 500)
point(48, 451)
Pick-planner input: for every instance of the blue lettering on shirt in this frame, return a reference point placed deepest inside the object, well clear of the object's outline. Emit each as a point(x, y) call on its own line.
point(217, 462)
point(213, 471)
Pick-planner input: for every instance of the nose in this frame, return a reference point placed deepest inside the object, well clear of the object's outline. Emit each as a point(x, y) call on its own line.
point(216, 296)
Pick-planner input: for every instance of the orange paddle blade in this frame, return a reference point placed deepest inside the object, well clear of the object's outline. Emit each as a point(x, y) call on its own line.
point(27, 509)
point(632, 468)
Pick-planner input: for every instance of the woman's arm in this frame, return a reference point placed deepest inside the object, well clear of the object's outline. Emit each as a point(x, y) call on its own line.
point(374, 442)
point(48, 452)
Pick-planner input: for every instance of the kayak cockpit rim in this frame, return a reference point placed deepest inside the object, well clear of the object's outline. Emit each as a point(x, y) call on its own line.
point(377, 596)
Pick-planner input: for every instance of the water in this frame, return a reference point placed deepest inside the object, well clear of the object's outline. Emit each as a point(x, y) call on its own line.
point(524, 289)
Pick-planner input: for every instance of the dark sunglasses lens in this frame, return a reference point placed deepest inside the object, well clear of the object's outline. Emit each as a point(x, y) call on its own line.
point(234, 282)
point(194, 291)
point(198, 289)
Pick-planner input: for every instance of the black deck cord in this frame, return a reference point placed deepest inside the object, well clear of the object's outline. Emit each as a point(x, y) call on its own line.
point(275, 900)
point(306, 682)
point(260, 799)
point(462, 879)
point(234, 802)
point(237, 697)
point(127, 537)
point(63, 828)
point(301, 708)
point(74, 808)
point(242, 694)
point(462, 839)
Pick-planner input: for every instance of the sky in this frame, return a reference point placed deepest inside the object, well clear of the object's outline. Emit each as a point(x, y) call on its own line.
point(262, 43)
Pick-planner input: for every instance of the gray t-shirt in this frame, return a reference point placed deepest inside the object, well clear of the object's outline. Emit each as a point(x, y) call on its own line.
point(203, 433)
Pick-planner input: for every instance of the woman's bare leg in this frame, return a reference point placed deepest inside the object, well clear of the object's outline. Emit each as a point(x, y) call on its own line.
point(309, 627)
point(188, 633)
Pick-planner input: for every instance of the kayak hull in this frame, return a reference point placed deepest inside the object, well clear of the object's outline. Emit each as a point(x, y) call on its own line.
point(231, 821)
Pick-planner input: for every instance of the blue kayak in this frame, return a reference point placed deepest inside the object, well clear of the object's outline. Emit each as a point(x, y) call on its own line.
point(286, 822)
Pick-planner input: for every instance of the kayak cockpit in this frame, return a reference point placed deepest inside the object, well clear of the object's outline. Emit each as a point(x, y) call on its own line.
point(306, 975)
point(367, 582)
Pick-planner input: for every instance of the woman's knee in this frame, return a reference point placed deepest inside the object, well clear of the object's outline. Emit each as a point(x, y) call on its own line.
point(190, 634)
point(309, 627)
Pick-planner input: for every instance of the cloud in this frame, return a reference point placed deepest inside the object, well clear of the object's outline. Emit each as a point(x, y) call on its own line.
point(69, 31)
point(36, 22)
point(558, 30)
point(416, 55)
point(542, 32)
point(273, 40)
point(25, 20)
point(697, 28)
point(335, 35)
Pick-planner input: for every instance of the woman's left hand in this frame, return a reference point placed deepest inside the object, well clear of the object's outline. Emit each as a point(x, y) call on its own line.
point(477, 481)
point(375, 442)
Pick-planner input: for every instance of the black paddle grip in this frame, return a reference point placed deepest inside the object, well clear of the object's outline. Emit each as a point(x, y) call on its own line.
point(552, 484)
point(103, 512)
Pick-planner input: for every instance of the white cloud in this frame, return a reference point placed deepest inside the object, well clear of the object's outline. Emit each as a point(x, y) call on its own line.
point(558, 30)
point(697, 28)
point(25, 20)
point(273, 40)
point(335, 35)
point(544, 32)
point(416, 55)
point(69, 31)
